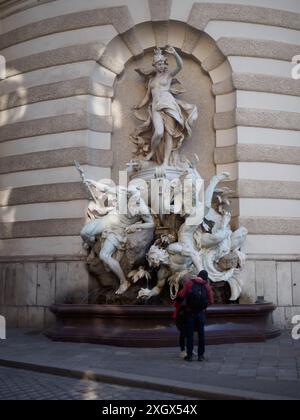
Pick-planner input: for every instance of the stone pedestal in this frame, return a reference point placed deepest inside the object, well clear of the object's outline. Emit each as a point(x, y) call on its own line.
point(153, 326)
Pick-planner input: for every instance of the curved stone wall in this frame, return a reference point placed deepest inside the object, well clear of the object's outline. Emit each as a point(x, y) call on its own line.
point(64, 60)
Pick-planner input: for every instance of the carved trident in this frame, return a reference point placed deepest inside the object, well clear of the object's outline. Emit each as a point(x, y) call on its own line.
point(84, 180)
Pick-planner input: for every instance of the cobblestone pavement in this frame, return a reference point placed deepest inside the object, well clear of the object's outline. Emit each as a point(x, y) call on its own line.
point(277, 360)
point(23, 385)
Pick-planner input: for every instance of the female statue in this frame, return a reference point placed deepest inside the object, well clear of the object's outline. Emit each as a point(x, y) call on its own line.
point(169, 119)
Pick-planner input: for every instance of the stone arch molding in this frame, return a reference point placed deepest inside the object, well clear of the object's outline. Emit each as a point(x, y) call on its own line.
point(192, 43)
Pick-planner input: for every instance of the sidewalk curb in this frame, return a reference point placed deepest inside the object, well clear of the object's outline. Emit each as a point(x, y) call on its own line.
point(196, 391)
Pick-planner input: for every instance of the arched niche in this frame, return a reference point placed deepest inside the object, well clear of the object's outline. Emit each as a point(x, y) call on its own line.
point(130, 89)
point(206, 77)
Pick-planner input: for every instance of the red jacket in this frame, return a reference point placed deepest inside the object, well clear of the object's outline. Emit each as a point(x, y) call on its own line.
point(187, 287)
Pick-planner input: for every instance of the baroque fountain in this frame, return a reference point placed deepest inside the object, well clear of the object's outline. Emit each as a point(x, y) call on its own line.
point(159, 226)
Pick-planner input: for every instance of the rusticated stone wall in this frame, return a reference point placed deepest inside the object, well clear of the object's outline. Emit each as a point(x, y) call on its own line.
point(27, 289)
point(65, 64)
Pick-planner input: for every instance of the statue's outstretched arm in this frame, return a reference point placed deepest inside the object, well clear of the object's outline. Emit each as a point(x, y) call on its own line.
point(100, 187)
point(211, 189)
point(179, 62)
point(162, 277)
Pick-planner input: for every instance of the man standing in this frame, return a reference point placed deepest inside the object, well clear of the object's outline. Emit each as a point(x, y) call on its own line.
point(196, 295)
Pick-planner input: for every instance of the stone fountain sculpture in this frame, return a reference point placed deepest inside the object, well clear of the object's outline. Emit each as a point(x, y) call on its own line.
point(189, 229)
point(146, 235)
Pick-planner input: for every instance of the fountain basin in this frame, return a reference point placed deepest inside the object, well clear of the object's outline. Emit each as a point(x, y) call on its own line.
point(153, 326)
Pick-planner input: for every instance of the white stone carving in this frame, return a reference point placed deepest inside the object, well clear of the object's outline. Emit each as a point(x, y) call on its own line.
point(112, 227)
point(192, 227)
point(215, 249)
point(168, 120)
point(220, 243)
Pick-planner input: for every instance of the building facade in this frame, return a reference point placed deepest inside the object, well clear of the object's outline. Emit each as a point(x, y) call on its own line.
point(67, 95)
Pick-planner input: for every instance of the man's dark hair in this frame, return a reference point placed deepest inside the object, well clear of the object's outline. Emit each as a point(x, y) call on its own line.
point(203, 275)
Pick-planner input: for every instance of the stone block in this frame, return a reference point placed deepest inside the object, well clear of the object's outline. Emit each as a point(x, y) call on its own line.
point(72, 282)
point(247, 373)
point(9, 275)
point(284, 284)
point(176, 35)
point(145, 35)
point(266, 283)
point(190, 41)
point(279, 318)
point(20, 283)
point(46, 284)
point(161, 31)
point(2, 283)
point(224, 87)
point(31, 317)
point(11, 316)
point(267, 372)
point(296, 283)
point(214, 60)
point(248, 279)
point(26, 284)
point(223, 72)
point(49, 318)
point(224, 120)
point(116, 56)
point(104, 76)
point(160, 10)
point(132, 42)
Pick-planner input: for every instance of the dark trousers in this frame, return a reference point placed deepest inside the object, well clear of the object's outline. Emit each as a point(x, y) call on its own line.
point(195, 322)
point(182, 339)
point(181, 326)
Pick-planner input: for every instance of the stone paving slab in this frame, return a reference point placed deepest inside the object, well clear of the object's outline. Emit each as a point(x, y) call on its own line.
point(242, 373)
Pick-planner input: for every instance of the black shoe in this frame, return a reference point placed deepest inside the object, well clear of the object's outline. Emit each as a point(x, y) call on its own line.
point(188, 359)
point(201, 359)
